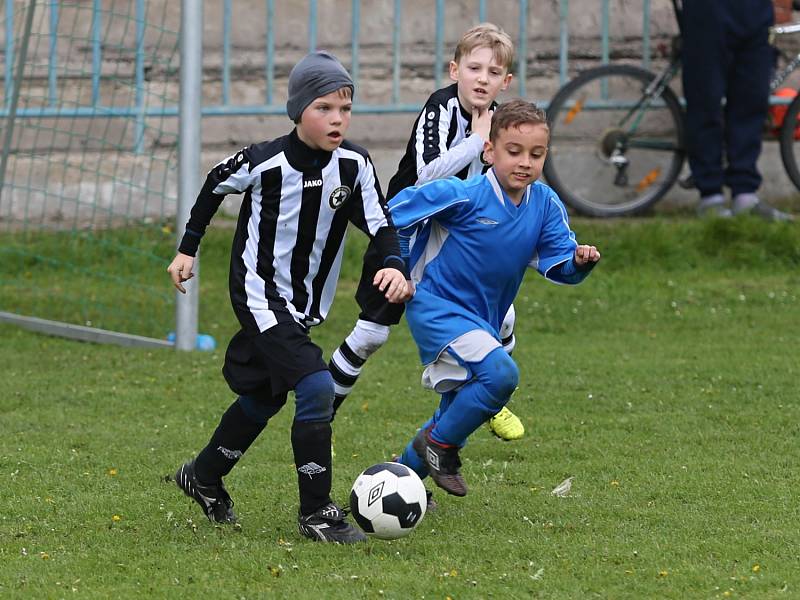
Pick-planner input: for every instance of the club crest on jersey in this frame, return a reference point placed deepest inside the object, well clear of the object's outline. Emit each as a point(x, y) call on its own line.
point(338, 196)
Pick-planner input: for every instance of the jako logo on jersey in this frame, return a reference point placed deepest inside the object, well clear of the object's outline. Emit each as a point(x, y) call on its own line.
point(486, 221)
point(312, 183)
point(338, 196)
point(310, 469)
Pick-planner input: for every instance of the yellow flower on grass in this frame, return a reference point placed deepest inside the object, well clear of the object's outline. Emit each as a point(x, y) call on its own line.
point(112, 472)
point(663, 573)
point(756, 568)
point(615, 482)
point(116, 518)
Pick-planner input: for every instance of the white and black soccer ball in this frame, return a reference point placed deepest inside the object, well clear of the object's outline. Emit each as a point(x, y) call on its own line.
point(388, 500)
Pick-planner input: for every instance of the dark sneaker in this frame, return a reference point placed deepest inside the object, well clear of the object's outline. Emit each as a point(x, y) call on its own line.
point(327, 524)
point(443, 464)
point(213, 499)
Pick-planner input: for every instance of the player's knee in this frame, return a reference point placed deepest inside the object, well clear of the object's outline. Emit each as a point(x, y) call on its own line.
point(259, 410)
point(367, 338)
point(314, 397)
point(501, 376)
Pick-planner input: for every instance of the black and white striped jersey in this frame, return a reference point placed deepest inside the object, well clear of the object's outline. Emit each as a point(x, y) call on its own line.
point(441, 144)
point(289, 240)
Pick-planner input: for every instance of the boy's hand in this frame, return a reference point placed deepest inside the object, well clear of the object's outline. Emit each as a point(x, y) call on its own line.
point(586, 254)
point(482, 122)
point(180, 269)
point(393, 283)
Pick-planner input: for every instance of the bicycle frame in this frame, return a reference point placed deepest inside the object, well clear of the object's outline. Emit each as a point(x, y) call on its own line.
point(782, 75)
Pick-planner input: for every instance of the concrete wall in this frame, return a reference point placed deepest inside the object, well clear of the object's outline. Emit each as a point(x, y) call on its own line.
point(385, 135)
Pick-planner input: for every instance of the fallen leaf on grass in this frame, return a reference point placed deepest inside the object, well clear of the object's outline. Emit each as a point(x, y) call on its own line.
point(563, 488)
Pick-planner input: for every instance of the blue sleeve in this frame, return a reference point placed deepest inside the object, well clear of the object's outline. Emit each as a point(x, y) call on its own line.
point(570, 273)
point(413, 205)
point(556, 247)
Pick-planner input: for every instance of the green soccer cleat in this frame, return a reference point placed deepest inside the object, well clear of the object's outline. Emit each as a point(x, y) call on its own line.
point(506, 425)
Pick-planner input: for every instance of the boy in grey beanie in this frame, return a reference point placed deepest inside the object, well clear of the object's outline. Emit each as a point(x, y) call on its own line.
point(300, 192)
point(317, 74)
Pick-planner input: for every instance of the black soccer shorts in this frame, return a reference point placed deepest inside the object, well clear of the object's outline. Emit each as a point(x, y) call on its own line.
point(374, 305)
point(266, 365)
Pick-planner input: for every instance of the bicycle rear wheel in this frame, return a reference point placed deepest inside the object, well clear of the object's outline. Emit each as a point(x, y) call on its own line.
point(613, 151)
point(790, 141)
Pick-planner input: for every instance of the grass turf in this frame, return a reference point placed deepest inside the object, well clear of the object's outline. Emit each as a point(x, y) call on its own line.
point(664, 384)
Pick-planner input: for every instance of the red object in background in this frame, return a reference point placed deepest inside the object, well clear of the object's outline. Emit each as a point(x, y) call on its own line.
point(777, 113)
point(783, 11)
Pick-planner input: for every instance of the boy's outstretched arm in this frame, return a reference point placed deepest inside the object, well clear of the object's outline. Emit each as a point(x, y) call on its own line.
point(232, 175)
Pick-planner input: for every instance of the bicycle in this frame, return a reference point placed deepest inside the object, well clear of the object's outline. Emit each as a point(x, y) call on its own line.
point(617, 139)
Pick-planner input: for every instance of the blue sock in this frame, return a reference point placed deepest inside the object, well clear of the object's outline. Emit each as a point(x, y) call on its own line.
point(410, 458)
point(494, 380)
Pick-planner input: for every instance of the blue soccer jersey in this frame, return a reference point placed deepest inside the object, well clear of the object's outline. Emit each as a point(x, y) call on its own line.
point(470, 252)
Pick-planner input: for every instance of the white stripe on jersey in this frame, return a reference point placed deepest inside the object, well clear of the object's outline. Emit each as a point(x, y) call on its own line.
point(433, 246)
point(464, 150)
point(254, 284)
point(287, 230)
point(372, 210)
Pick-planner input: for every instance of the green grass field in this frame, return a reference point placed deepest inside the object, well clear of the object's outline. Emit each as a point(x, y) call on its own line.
point(666, 385)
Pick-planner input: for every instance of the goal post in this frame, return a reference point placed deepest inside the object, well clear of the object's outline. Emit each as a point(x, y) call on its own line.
point(92, 187)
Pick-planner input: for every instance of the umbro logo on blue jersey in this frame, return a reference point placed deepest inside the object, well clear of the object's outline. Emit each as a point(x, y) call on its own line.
point(486, 221)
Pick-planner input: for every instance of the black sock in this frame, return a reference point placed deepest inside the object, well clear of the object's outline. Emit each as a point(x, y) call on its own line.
point(233, 436)
point(338, 399)
point(311, 443)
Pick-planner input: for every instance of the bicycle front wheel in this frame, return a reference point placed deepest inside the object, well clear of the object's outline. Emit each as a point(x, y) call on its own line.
point(790, 141)
point(614, 151)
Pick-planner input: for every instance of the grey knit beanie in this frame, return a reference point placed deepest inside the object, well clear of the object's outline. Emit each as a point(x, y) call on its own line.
point(317, 74)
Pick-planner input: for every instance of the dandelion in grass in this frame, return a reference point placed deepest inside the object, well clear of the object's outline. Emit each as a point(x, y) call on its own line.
point(112, 471)
point(116, 518)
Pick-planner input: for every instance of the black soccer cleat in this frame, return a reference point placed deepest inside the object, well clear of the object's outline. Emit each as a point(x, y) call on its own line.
point(327, 524)
point(213, 499)
point(443, 463)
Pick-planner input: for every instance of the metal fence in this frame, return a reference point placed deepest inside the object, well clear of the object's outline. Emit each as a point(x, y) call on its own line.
point(361, 13)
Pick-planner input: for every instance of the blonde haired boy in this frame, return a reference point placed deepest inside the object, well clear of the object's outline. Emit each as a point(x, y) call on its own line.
point(447, 140)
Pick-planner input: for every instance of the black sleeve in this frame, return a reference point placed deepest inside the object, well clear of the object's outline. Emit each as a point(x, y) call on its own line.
point(388, 246)
point(229, 176)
